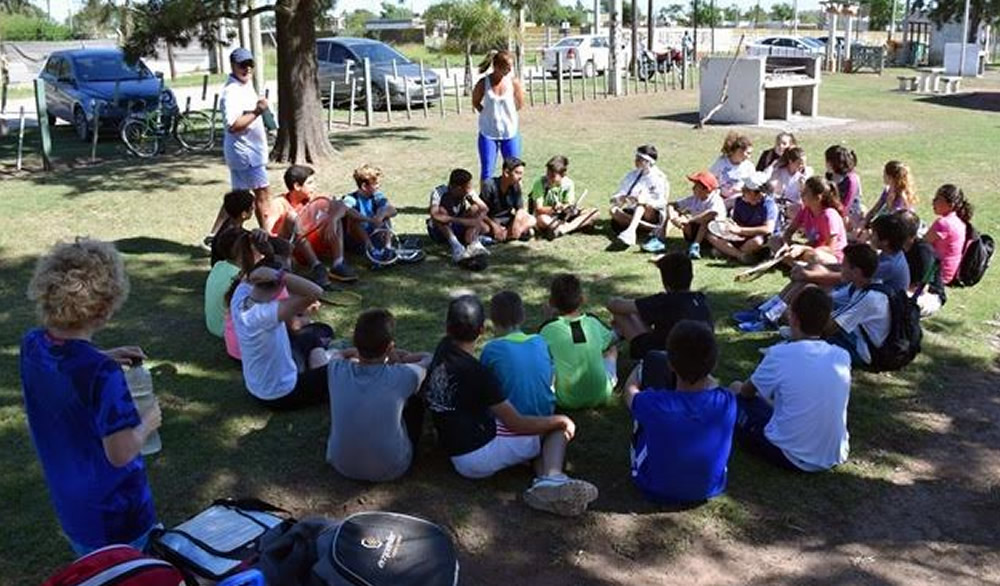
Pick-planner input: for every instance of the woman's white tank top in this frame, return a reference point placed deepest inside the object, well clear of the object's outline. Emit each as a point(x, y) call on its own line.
point(498, 118)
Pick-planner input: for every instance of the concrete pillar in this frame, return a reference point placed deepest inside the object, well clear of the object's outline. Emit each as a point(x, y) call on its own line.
point(848, 21)
point(831, 43)
point(615, 38)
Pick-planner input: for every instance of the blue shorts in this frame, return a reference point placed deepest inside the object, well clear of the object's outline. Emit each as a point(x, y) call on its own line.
point(250, 178)
point(457, 229)
point(488, 149)
point(139, 543)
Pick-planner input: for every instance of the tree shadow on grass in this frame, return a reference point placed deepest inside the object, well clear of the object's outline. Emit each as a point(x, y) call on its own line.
point(356, 137)
point(981, 101)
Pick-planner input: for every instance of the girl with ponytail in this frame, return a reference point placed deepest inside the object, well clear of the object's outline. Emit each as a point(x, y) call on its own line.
point(947, 233)
point(497, 97)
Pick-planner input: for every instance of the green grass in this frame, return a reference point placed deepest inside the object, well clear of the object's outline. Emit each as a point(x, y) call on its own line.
point(217, 442)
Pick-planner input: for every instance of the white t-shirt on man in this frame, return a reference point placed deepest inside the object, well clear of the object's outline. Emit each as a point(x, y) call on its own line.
point(651, 188)
point(246, 149)
point(809, 384)
point(268, 367)
point(866, 310)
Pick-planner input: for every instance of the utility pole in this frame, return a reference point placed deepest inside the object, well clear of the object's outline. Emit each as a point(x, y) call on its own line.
point(965, 40)
point(694, 20)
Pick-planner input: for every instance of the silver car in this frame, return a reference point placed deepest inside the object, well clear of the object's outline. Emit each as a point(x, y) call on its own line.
point(342, 58)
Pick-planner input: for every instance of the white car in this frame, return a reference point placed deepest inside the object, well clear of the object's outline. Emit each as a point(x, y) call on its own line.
point(787, 47)
point(587, 54)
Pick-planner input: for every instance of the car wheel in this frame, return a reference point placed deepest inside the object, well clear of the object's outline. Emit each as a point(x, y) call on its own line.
point(589, 70)
point(80, 124)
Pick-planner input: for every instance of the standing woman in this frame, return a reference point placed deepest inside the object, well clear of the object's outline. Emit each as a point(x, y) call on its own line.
point(497, 97)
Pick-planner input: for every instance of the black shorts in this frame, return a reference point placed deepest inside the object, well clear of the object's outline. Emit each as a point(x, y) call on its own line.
point(656, 373)
point(504, 220)
point(645, 343)
point(310, 389)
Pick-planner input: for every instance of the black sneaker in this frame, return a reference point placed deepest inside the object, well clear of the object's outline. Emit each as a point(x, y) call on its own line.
point(343, 273)
point(319, 276)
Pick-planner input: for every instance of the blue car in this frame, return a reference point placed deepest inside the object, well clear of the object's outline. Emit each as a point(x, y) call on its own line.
point(77, 80)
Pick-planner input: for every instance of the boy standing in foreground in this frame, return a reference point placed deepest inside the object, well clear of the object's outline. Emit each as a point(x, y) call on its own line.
point(483, 433)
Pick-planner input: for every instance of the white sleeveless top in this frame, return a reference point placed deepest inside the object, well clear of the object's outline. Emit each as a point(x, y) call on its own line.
point(498, 118)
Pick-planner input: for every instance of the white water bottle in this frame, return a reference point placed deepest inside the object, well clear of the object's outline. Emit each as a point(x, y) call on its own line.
point(140, 386)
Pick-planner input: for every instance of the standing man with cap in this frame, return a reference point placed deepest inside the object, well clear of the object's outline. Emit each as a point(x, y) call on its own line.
point(245, 138)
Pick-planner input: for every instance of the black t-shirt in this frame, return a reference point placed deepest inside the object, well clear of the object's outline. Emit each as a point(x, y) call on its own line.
point(925, 268)
point(501, 204)
point(766, 158)
point(459, 392)
point(663, 310)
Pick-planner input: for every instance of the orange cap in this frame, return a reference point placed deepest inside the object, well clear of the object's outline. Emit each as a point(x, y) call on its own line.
point(705, 179)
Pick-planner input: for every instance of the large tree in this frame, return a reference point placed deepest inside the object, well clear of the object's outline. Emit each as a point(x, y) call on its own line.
point(473, 26)
point(302, 136)
point(980, 12)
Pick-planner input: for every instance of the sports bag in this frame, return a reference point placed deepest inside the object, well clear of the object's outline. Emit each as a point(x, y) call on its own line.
point(979, 250)
point(902, 344)
point(365, 549)
point(221, 540)
point(120, 565)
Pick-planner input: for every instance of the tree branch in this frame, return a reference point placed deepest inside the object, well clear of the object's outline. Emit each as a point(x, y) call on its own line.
point(240, 16)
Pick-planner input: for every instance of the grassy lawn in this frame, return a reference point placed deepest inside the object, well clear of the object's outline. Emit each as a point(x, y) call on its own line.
point(217, 442)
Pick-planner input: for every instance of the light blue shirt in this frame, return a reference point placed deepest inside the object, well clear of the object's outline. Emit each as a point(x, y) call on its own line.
point(893, 270)
point(523, 365)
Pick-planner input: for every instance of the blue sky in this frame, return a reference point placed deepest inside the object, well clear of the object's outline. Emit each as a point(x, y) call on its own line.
point(62, 8)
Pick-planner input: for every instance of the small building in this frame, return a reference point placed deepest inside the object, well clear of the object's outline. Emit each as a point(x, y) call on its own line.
point(395, 31)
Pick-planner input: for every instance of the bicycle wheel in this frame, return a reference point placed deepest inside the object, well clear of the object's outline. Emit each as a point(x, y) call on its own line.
point(140, 138)
point(195, 131)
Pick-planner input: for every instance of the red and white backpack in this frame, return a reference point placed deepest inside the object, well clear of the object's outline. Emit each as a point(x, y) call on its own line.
point(120, 565)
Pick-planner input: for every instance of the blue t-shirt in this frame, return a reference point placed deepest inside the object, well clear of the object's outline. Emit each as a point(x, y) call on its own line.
point(74, 396)
point(893, 270)
point(523, 365)
point(366, 206)
point(681, 443)
point(751, 216)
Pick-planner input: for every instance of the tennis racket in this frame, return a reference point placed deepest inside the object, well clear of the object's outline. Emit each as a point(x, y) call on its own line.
point(721, 229)
point(755, 272)
point(340, 298)
point(385, 249)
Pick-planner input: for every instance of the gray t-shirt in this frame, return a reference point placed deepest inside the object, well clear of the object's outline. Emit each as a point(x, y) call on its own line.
point(368, 438)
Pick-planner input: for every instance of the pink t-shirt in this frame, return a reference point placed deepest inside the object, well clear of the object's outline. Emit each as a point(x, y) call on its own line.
point(826, 229)
point(232, 343)
point(950, 244)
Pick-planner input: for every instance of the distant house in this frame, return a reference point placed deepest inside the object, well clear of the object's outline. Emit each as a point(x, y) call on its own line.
point(408, 30)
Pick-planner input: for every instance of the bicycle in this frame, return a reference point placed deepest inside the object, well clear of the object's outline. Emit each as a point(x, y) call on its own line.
point(142, 132)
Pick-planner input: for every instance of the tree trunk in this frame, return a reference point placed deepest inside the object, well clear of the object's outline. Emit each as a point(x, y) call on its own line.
point(171, 62)
point(302, 136)
point(520, 40)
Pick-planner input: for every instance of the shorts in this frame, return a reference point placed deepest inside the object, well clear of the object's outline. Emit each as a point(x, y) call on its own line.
point(503, 451)
point(504, 220)
point(250, 178)
point(655, 372)
point(140, 543)
point(457, 229)
point(310, 389)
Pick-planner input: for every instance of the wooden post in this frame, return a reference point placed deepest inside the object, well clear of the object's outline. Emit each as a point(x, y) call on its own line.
point(423, 88)
point(531, 90)
point(572, 93)
point(656, 81)
point(369, 111)
point(329, 113)
point(441, 95)
point(409, 111)
point(354, 89)
point(20, 138)
point(204, 87)
point(215, 108)
point(607, 83)
point(624, 74)
point(594, 86)
point(583, 87)
point(447, 68)
point(388, 99)
point(559, 78)
point(545, 88)
point(97, 126)
point(645, 84)
point(635, 84)
point(43, 125)
point(458, 96)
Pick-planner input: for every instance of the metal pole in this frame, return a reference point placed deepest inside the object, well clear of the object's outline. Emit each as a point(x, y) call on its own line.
point(388, 100)
point(369, 110)
point(329, 113)
point(20, 138)
point(423, 87)
point(409, 111)
point(795, 16)
point(965, 41)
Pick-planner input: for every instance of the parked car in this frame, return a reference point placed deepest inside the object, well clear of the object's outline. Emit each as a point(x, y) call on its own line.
point(76, 80)
point(587, 54)
point(786, 46)
point(341, 58)
point(838, 48)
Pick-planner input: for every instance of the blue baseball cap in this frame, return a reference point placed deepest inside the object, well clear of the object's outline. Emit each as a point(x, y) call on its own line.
point(240, 55)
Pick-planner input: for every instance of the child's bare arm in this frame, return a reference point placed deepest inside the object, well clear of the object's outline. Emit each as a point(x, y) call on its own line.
point(622, 306)
point(531, 425)
point(631, 388)
point(123, 446)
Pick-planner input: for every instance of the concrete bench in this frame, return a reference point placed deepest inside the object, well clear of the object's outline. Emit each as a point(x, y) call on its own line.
point(907, 83)
point(951, 83)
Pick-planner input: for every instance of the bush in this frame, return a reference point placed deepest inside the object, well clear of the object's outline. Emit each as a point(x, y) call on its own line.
point(20, 27)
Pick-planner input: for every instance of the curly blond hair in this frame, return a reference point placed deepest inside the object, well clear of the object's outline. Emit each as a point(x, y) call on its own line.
point(367, 174)
point(78, 284)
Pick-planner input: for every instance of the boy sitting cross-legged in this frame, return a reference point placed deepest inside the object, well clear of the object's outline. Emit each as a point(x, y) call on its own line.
point(483, 433)
point(521, 362)
point(314, 224)
point(375, 414)
point(793, 410)
point(682, 436)
point(457, 216)
point(372, 206)
point(646, 322)
point(553, 198)
point(862, 319)
point(507, 218)
point(582, 346)
point(692, 214)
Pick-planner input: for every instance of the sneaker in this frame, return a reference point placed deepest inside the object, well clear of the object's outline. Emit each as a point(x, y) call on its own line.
point(563, 496)
point(654, 245)
point(319, 276)
point(487, 240)
point(694, 251)
point(343, 273)
point(785, 332)
point(627, 237)
point(476, 249)
point(747, 315)
point(753, 326)
point(458, 253)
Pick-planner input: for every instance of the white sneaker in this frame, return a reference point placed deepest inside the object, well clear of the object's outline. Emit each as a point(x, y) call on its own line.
point(459, 253)
point(785, 332)
point(477, 249)
point(564, 496)
point(628, 237)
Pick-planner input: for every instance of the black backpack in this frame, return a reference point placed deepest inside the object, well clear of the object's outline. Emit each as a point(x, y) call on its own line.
point(902, 344)
point(976, 258)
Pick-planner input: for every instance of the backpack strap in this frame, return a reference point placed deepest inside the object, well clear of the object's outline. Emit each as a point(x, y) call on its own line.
point(122, 570)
